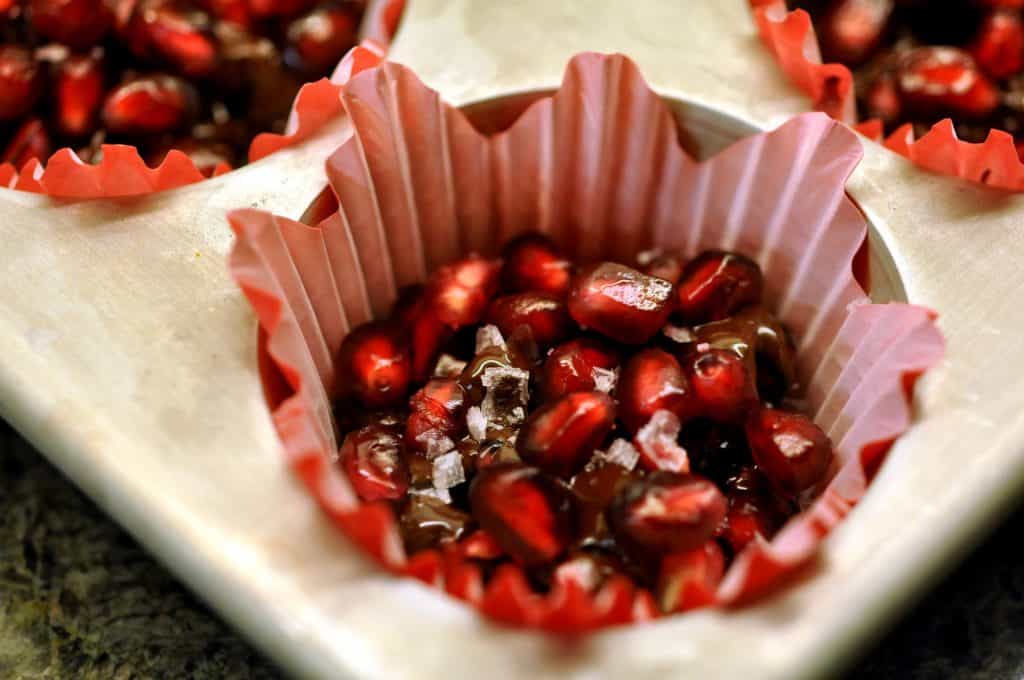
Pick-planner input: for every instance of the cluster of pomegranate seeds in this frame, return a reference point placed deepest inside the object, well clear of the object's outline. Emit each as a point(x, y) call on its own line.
point(200, 76)
point(918, 62)
point(582, 423)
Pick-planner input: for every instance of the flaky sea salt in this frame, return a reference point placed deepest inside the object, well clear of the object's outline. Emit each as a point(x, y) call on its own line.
point(621, 452)
point(440, 494)
point(448, 366)
point(448, 471)
point(605, 379)
point(436, 444)
point(680, 334)
point(476, 423)
point(657, 443)
point(488, 336)
point(508, 391)
point(646, 257)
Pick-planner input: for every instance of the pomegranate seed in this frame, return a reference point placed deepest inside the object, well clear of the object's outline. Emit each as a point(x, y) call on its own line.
point(688, 580)
point(526, 511)
point(790, 449)
point(852, 29)
point(533, 264)
point(588, 569)
point(319, 39)
point(620, 302)
point(428, 335)
point(78, 89)
point(571, 367)
point(668, 266)
point(374, 365)
point(176, 33)
point(560, 436)
point(436, 413)
point(544, 315)
point(716, 451)
point(721, 382)
point(279, 8)
point(881, 99)
point(667, 513)
point(372, 458)
point(149, 105)
point(75, 23)
point(30, 141)
point(754, 512)
point(427, 522)
point(653, 381)
point(938, 80)
point(480, 545)
point(21, 82)
point(762, 342)
point(595, 486)
point(234, 11)
point(716, 284)
point(999, 47)
point(458, 293)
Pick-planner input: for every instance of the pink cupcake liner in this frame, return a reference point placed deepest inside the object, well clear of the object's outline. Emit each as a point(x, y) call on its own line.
point(381, 20)
point(790, 37)
point(122, 172)
point(597, 167)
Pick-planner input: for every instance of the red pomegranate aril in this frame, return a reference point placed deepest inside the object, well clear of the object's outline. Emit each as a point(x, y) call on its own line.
point(428, 335)
point(561, 436)
point(372, 459)
point(533, 264)
point(374, 365)
point(149, 105)
point(279, 8)
point(575, 366)
point(319, 39)
point(999, 47)
point(620, 302)
point(722, 384)
point(75, 23)
point(78, 92)
point(754, 512)
point(689, 580)
point(852, 29)
point(667, 512)
point(234, 11)
point(427, 522)
point(30, 141)
point(652, 380)
point(594, 487)
point(458, 294)
point(527, 512)
point(178, 34)
point(668, 266)
point(21, 82)
point(792, 452)
point(881, 99)
point(716, 284)
point(480, 545)
point(544, 315)
point(939, 80)
point(436, 413)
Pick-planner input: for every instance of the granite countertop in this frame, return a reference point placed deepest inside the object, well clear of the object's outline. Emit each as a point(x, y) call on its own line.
point(80, 599)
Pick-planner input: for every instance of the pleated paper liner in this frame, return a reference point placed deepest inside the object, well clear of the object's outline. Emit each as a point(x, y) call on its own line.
point(381, 20)
point(122, 172)
point(790, 37)
point(598, 168)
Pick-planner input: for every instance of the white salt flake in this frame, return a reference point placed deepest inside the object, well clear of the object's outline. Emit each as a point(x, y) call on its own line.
point(646, 257)
point(488, 336)
point(623, 453)
point(657, 442)
point(680, 334)
point(437, 444)
point(508, 391)
point(605, 379)
point(476, 423)
point(448, 471)
point(448, 366)
point(440, 494)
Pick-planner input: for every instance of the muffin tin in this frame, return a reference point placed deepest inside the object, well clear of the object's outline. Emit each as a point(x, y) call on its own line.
point(128, 357)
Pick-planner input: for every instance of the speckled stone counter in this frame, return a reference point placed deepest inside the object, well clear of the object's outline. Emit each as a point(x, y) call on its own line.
point(79, 599)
